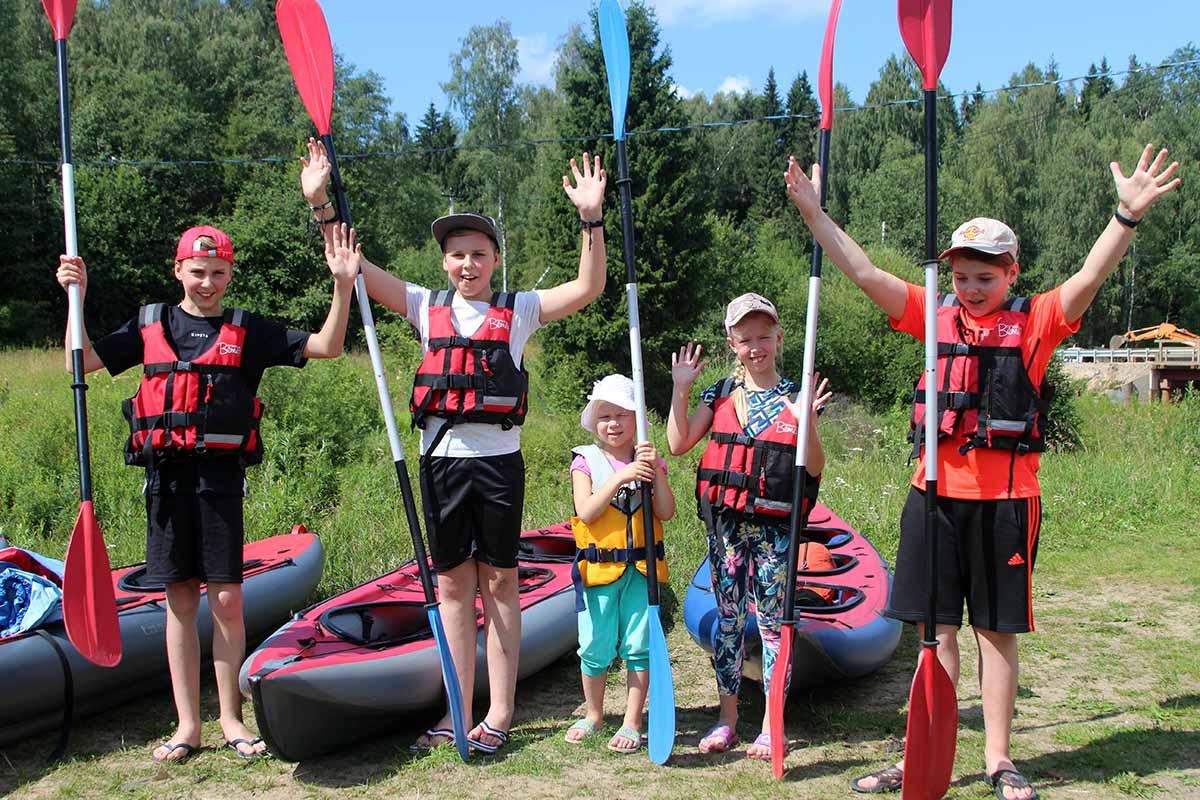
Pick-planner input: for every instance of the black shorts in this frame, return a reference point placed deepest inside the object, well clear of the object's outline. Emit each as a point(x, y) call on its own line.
point(986, 551)
point(473, 509)
point(194, 535)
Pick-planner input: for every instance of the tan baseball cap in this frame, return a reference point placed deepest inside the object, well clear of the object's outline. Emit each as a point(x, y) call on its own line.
point(748, 304)
point(984, 234)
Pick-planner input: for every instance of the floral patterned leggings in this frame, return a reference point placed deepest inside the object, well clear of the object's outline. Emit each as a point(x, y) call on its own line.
point(748, 562)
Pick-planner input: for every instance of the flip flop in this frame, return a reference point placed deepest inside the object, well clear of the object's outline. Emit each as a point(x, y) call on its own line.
point(762, 740)
point(1012, 779)
point(626, 732)
point(188, 752)
point(586, 725)
point(430, 734)
point(488, 730)
point(725, 737)
point(233, 745)
point(886, 780)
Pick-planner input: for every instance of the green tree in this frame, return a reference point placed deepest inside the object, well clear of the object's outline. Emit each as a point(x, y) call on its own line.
point(675, 281)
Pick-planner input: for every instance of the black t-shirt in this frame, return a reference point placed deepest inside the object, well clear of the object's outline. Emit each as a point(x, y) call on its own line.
point(267, 345)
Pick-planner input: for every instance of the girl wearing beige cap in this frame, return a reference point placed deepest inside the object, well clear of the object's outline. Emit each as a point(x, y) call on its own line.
point(744, 490)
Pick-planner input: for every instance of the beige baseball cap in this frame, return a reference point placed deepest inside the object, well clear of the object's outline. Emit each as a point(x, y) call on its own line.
point(748, 304)
point(615, 389)
point(984, 234)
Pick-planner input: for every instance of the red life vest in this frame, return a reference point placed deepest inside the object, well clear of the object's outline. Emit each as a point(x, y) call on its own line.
point(470, 379)
point(751, 475)
point(986, 393)
point(197, 408)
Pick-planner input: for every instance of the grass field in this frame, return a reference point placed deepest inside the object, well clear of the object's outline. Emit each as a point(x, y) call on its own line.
point(1109, 705)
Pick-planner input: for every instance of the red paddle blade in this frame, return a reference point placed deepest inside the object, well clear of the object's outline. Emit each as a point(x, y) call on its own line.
point(777, 697)
point(825, 78)
point(925, 27)
point(89, 606)
point(310, 56)
point(932, 732)
point(62, 16)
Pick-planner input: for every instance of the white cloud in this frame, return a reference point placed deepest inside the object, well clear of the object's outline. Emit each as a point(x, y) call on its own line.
point(734, 84)
point(700, 13)
point(682, 92)
point(537, 57)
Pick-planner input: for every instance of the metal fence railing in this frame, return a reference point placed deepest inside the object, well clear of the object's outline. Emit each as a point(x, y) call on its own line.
point(1159, 356)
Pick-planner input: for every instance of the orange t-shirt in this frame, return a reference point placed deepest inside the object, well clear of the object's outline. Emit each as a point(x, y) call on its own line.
point(983, 473)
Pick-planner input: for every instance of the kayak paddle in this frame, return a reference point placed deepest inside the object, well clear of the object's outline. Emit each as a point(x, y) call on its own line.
point(614, 41)
point(777, 696)
point(310, 55)
point(89, 605)
point(933, 706)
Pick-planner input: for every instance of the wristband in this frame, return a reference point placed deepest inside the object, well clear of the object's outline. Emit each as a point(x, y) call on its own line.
point(588, 224)
point(326, 204)
point(1124, 220)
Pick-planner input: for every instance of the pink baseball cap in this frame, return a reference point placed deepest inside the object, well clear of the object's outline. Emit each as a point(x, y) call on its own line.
point(984, 234)
point(748, 304)
point(192, 244)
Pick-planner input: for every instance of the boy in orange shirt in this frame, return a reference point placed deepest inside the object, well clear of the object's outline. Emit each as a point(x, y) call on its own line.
point(993, 351)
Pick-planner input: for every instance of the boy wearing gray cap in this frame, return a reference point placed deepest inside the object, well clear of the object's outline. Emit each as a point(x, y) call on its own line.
point(993, 351)
point(469, 399)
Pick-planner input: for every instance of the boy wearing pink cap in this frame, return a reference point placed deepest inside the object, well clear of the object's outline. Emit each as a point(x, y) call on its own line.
point(993, 351)
point(194, 428)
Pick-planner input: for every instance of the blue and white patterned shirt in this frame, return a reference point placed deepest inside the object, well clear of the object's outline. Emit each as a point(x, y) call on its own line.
point(761, 407)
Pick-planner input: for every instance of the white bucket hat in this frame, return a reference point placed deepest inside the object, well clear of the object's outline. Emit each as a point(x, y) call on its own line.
point(615, 389)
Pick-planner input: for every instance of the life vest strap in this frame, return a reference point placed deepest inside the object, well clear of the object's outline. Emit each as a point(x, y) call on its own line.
point(453, 381)
point(442, 342)
point(726, 478)
point(609, 555)
point(160, 367)
point(167, 420)
point(955, 401)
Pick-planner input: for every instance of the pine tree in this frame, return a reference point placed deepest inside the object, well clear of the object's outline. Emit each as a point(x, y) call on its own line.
point(671, 236)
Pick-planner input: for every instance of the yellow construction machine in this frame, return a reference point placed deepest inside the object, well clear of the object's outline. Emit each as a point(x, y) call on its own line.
point(1163, 332)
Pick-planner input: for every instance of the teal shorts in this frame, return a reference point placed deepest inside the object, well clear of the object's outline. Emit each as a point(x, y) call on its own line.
point(614, 623)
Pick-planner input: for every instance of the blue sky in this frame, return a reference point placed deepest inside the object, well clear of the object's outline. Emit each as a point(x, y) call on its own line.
point(730, 44)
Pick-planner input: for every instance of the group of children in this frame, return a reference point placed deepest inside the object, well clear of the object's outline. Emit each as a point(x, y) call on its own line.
point(194, 427)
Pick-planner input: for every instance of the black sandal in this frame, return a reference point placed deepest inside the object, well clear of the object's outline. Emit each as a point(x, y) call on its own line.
point(886, 780)
point(1013, 780)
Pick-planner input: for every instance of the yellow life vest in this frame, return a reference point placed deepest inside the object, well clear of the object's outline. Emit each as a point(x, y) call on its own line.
point(615, 539)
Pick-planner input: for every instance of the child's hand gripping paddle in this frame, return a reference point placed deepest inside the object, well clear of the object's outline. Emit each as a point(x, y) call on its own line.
point(310, 56)
point(89, 605)
point(614, 40)
point(933, 707)
point(777, 697)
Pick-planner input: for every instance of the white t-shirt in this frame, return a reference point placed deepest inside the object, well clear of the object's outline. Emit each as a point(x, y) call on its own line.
point(474, 439)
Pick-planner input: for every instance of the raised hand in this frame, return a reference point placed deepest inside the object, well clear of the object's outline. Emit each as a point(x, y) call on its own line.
point(1147, 183)
point(686, 365)
point(71, 269)
point(587, 189)
point(343, 254)
point(804, 192)
point(819, 398)
point(315, 173)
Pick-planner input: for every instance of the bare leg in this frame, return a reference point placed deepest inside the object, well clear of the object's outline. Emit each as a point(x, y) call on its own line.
point(183, 658)
point(229, 648)
point(998, 675)
point(593, 698)
point(502, 626)
point(456, 596)
point(948, 656)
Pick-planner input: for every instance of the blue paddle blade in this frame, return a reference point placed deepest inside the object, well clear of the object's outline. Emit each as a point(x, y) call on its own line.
point(614, 41)
point(662, 693)
point(450, 678)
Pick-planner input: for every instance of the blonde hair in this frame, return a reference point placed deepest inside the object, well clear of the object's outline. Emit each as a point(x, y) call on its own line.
point(741, 403)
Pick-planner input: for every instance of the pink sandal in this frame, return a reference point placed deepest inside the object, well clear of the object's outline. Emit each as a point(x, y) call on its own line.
point(723, 738)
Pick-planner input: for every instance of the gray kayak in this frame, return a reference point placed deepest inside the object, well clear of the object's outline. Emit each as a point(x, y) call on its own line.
point(280, 573)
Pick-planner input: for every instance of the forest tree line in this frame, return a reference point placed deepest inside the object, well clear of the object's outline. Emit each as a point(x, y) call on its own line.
point(184, 112)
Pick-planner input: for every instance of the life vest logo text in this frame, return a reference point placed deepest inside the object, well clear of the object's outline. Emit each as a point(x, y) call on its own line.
point(1009, 330)
point(783, 427)
point(229, 349)
point(498, 324)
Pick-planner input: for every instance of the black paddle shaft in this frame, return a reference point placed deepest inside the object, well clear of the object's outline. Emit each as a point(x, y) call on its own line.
point(78, 383)
point(625, 192)
point(931, 448)
point(798, 520)
point(406, 492)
